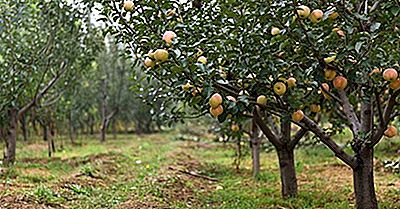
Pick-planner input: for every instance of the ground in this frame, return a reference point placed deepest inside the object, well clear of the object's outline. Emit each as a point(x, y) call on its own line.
point(159, 171)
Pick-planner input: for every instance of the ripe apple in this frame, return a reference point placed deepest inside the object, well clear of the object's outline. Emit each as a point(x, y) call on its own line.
point(298, 116)
point(168, 36)
point(215, 100)
point(390, 132)
point(291, 82)
point(316, 15)
point(128, 5)
point(262, 100)
point(325, 87)
point(390, 74)
point(315, 108)
point(275, 31)
point(216, 111)
point(149, 62)
point(340, 82)
point(279, 88)
point(395, 84)
point(186, 86)
point(303, 11)
point(161, 55)
point(231, 98)
point(330, 74)
point(202, 59)
point(235, 128)
point(333, 15)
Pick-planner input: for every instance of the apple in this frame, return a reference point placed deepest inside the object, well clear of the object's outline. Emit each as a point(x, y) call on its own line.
point(333, 15)
point(168, 36)
point(216, 111)
point(291, 82)
point(186, 86)
point(161, 55)
point(262, 100)
point(315, 108)
point(303, 11)
point(149, 62)
point(279, 88)
point(215, 100)
point(235, 128)
point(151, 54)
point(298, 116)
point(275, 31)
point(231, 98)
point(128, 5)
point(325, 87)
point(390, 132)
point(330, 74)
point(340, 82)
point(390, 74)
point(202, 59)
point(316, 16)
point(330, 58)
point(395, 84)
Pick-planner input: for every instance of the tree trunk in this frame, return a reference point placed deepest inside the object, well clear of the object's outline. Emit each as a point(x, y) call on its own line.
point(11, 138)
point(363, 178)
point(24, 128)
point(288, 172)
point(255, 149)
point(72, 131)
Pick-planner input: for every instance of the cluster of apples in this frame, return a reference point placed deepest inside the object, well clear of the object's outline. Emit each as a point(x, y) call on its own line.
point(280, 86)
point(160, 55)
point(215, 103)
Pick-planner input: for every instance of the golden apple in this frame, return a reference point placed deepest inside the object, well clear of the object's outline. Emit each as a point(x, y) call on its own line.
point(128, 5)
point(298, 116)
point(330, 74)
point(216, 111)
point(390, 74)
point(279, 88)
point(275, 31)
point(202, 59)
point(395, 84)
point(215, 100)
point(316, 15)
point(235, 128)
point(161, 55)
point(168, 36)
point(390, 132)
point(149, 62)
point(262, 100)
point(303, 11)
point(340, 82)
point(291, 82)
point(315, 108)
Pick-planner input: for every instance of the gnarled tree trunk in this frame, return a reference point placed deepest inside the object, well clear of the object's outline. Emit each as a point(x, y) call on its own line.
point(363, 179)
point(255, 143)
point(288, 172)
point(11, 138)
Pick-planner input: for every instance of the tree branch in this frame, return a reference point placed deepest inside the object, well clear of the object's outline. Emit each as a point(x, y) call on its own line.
point(265, 129)
point(350, 114)
point(297, 137)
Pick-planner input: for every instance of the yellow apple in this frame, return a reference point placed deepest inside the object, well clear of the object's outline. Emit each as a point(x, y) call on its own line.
point(216, 111)
point(279, 88)
point(390, 132)
point(235, 128)
point(262, 100)
point(186, 86)
point(330, 58)
point(340, 82)
point(298, 116)
point(215, 100)
point(291, 82)
point(161, 55)
point(316, 15)
point(303, 11)
point(330, 74)
point(315, 108)
point(149, 62)
point(275, 31)
point(395, 84)
point(390, 74)
point(202, 59)
point(128, 5)
point(168, 36)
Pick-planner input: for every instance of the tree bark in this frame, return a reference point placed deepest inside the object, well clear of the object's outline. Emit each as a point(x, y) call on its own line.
point(255, 148)
point(11, 138)
point(363, 179)
point(288, 172)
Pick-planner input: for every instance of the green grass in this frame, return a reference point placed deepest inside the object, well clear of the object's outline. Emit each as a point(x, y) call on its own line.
point(145, 172)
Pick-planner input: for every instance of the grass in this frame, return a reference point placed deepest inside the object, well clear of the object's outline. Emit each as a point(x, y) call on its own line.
point(149, 172)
